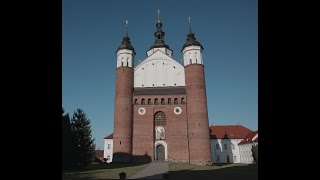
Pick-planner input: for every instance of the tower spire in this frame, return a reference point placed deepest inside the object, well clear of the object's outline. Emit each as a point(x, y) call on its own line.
point(126, 27)
point(159, 35)
point(158, 15)
point(190, 25)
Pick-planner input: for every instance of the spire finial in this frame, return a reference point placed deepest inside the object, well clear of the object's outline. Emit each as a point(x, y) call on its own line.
point(158, 15)
point(189, 24)
point(126, 28)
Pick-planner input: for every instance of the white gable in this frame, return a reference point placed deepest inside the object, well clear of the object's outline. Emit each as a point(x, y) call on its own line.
point(159, 70)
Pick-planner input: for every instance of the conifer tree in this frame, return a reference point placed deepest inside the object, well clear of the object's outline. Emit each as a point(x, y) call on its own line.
point(83, 143)
point(66, 139)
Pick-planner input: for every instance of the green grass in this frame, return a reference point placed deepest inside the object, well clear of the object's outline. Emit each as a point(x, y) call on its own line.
point(104, 171)
point(221, 172)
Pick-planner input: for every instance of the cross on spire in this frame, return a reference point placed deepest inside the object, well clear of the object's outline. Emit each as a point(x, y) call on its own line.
point(189, 24)
point(126, 28)
point(158, 15)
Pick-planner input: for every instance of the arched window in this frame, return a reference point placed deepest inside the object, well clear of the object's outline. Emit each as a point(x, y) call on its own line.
point(160, 119)
point(156, 101)
point(149, 101)
point(175, 100)
point(162, 101)
point(169, 101)
point(182, 101)
point(142, 101)
point(136, 101)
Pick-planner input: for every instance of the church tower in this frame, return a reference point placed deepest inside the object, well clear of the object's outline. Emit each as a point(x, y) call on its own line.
point(122, 137)
point(197, 112)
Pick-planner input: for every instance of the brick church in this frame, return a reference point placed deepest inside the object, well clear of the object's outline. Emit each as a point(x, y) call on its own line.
point(160, 110)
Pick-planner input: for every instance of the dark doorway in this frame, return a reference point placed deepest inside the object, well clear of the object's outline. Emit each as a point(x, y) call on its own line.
point(160, 153)
point(228, 161)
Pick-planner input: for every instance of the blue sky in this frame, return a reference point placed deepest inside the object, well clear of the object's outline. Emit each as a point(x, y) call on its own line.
point(92, 30)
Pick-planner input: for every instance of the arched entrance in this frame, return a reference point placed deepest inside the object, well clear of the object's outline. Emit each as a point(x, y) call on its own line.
point(160, 153)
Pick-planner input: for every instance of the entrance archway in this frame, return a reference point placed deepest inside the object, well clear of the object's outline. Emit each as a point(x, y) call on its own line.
point(160, 153)
point(162, 148)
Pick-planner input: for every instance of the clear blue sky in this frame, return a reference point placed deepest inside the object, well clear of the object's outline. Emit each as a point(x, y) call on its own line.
point(92, 30)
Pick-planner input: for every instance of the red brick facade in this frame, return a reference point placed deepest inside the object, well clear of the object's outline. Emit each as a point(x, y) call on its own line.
point(175, 128)
point(187, 135)
point(197, 112)
point(122, 132)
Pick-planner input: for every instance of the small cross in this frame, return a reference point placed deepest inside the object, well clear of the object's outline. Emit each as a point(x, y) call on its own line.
point(126, 23)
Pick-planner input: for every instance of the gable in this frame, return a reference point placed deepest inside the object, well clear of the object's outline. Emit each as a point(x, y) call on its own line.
point(159, 70)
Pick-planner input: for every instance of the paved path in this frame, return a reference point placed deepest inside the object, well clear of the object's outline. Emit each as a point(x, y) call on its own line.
point(155, 170)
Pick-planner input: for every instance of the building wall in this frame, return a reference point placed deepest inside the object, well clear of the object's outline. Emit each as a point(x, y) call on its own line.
point(108, 151)
point(175, 129)
point(159, 70)
point(246, 153)
point(222, 153)
point(198, 123)
point(122, 133)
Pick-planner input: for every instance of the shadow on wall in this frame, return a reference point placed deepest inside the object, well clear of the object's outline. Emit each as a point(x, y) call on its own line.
point(223, 153)
point(125, 157)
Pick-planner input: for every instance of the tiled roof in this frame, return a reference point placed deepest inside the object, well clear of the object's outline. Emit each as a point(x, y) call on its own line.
point(248, 138)
point(228, 132)
point(109, 137)
point(159, 91)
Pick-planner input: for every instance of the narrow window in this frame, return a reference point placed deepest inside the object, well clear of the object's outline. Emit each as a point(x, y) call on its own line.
point(225, 146)
point(156, 101)
point(175, 100)
point(142, 101)
point(162, 101)
point(109, 146)
point(169, 101)
point(149, 101)
point(217, 147)
point(182, 101)
point(136, 101)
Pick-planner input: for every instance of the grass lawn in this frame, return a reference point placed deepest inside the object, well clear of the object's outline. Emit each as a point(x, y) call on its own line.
point(104, 171)
point(220, 172)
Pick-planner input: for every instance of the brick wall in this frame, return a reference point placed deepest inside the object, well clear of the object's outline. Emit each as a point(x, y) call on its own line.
point(198, 125)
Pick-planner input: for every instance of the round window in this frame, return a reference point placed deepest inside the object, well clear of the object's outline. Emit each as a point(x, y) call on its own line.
point(142, 111)
point(177, 110)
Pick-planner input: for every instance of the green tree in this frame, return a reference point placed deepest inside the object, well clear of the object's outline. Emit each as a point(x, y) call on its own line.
point(254, 150)
point(82, 139)
point(66, 139)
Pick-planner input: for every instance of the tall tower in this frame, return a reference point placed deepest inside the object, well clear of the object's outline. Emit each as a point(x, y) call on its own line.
point(122, 137)
point(197, 113)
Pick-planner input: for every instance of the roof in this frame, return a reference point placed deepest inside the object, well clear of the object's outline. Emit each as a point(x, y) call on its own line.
point(249, 138)
point(191, 41)
point(228, 132)
point(109, 137)
point(98, 155)
point(126, 44)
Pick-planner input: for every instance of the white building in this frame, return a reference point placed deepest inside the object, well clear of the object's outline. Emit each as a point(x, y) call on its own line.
point(229, 144)
point(108, 146)
point(245, 147)
point(224, 142)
